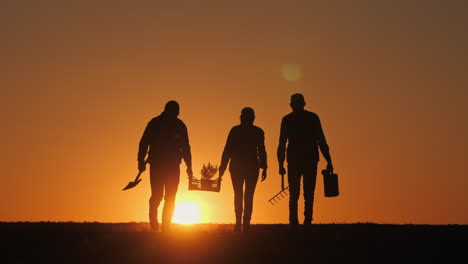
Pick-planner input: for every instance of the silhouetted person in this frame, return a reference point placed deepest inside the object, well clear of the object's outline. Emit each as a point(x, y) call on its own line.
point(168, 142)
point(245, 149)
point(303, 132)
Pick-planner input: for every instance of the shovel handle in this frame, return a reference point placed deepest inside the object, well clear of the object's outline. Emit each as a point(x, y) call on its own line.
point(138, 176)
point(139, 173)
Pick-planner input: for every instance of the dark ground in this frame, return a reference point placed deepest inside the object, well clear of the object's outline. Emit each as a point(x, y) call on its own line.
point(46, 242)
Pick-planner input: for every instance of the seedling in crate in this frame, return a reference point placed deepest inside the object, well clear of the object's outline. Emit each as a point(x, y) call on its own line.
point(206, 183)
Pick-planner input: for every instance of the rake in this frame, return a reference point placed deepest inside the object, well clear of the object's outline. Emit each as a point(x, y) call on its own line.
point(279, 196)
point(283, 193)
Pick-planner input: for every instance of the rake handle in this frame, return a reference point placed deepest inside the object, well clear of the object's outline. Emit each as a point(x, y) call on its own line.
point(282, 181)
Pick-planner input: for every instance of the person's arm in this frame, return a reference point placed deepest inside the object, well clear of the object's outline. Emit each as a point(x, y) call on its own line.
point(324, 149)
point(143, 148)
point(262, 155)
point(281, 153)
point(186, 151)
point(226, 153)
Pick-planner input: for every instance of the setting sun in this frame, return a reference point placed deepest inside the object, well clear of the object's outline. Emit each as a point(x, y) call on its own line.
point(186, 212)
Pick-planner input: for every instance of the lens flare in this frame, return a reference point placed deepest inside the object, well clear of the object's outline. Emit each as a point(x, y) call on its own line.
point(186, 213)
point(292, 72)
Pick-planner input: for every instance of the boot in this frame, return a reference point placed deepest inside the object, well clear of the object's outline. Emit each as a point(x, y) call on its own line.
point(153, 218)
point(154, 224)
point(237, 226)
point(246, 225)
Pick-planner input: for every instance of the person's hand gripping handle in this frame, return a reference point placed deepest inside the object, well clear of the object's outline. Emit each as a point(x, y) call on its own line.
point(137, 178)
point(141, 169)
point(282, 172)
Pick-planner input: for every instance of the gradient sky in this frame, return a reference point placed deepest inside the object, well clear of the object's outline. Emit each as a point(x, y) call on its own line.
point(80, 80)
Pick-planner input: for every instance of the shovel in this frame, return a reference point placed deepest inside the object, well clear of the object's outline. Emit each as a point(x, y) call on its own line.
point(133, 183)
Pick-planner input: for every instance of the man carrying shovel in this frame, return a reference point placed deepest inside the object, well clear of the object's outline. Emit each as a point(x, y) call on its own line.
point(167, 139)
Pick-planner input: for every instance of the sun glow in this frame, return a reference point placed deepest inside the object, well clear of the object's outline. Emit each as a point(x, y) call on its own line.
point(292, 72)
point(186, 212)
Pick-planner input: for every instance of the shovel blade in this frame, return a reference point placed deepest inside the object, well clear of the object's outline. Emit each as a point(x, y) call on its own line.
point(131, 184)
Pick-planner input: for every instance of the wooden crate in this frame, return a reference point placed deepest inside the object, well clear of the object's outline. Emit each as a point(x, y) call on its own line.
point(204, 185)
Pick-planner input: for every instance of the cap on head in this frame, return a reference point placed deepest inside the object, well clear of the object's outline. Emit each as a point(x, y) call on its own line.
point(172, 108)
point(247, 116)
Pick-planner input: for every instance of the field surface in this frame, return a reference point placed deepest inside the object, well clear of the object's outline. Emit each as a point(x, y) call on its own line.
point(50, 242)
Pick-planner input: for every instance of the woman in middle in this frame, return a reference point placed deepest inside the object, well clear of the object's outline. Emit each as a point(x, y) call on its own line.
point(245, 149)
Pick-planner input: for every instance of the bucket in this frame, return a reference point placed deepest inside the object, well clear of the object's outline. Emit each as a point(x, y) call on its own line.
point(330, 183)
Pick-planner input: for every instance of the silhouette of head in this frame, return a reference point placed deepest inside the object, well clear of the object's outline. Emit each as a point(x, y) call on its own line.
point(297, 102)
point(247, 116)
point(172, 108)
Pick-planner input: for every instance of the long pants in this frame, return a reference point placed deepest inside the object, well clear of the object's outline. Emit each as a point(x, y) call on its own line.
point(309, 173)
point(243, 199)
point(164, 183)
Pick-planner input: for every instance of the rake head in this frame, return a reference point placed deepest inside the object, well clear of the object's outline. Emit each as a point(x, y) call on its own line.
point(283, 193)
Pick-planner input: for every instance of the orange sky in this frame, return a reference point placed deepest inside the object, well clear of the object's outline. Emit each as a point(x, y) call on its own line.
point(79, 82)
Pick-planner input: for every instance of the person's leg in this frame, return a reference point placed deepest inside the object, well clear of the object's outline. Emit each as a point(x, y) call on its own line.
point(237, 184)
point(251, 179)
point(156, 182)
point(310, 179)
point(171, 184)
point(294, 181)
